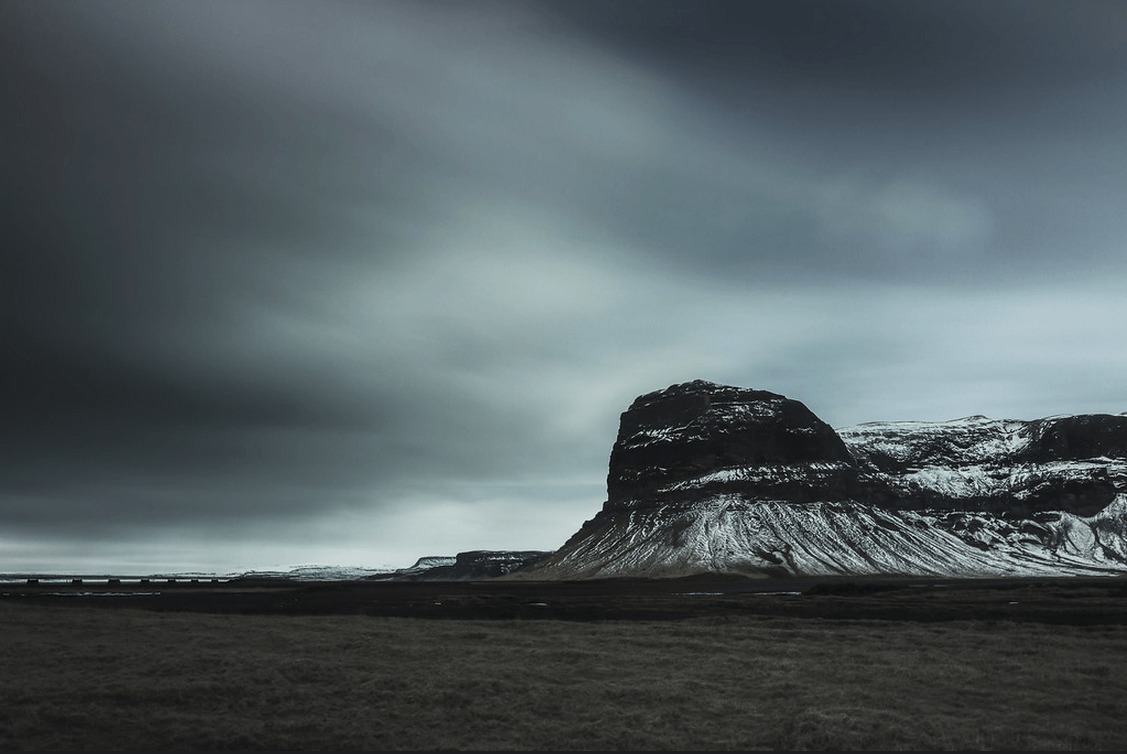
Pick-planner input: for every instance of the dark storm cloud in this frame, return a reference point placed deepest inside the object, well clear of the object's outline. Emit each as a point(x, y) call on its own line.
point(914, 46)
point(157, 214)
point(951, 130)
point(378, 275)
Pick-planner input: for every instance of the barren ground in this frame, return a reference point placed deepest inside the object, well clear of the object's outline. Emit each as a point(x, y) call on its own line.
point(690, 664)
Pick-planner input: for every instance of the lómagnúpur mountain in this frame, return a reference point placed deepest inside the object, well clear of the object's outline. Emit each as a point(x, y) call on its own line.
point(706, 478)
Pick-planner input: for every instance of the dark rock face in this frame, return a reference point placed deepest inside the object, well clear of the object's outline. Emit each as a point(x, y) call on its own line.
point(689, 431)
point(710, 478)
point(1070, 438)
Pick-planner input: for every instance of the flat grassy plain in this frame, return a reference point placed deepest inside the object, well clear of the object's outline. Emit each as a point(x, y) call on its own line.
point(733, 671)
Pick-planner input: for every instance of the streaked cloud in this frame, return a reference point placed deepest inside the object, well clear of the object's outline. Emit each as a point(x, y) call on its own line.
point(315, 278)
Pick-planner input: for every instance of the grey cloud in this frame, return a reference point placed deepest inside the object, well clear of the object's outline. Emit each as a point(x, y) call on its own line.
point(914, 48)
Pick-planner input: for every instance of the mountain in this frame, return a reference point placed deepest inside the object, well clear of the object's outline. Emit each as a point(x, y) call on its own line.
point(308, 573)
point(707, 478)
point(465, 566)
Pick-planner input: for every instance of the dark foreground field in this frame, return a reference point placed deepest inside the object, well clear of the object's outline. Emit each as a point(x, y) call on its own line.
point(697, 664)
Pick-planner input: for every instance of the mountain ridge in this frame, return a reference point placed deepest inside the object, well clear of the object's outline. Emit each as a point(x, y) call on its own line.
point(707, 478)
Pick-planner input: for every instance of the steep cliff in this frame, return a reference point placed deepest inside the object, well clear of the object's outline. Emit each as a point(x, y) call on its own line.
point(691, 440)
point(711, 478)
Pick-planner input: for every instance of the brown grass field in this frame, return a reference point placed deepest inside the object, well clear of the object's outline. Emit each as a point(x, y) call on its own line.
point(1027, 666)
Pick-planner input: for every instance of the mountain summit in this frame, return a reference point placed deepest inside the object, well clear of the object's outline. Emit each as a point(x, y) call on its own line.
point(708, 478)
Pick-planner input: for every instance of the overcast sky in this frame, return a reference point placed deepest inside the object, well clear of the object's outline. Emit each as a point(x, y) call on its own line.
point(351, 283)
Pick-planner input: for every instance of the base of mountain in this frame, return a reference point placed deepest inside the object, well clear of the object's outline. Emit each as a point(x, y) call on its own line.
point(1071, 601)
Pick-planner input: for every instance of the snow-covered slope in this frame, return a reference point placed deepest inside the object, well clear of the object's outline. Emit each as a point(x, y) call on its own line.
point(706, 478)
point(729, 534)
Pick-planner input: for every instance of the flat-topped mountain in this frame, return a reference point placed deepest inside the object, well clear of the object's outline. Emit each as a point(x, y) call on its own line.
point(712, 478)
point(699, 436)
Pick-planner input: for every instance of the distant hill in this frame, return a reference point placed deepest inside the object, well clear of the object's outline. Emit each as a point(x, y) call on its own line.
point(465, 566)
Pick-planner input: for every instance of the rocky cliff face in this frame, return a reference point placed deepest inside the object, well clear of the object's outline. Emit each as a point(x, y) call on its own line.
point(710, 478)
point(691, 440)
